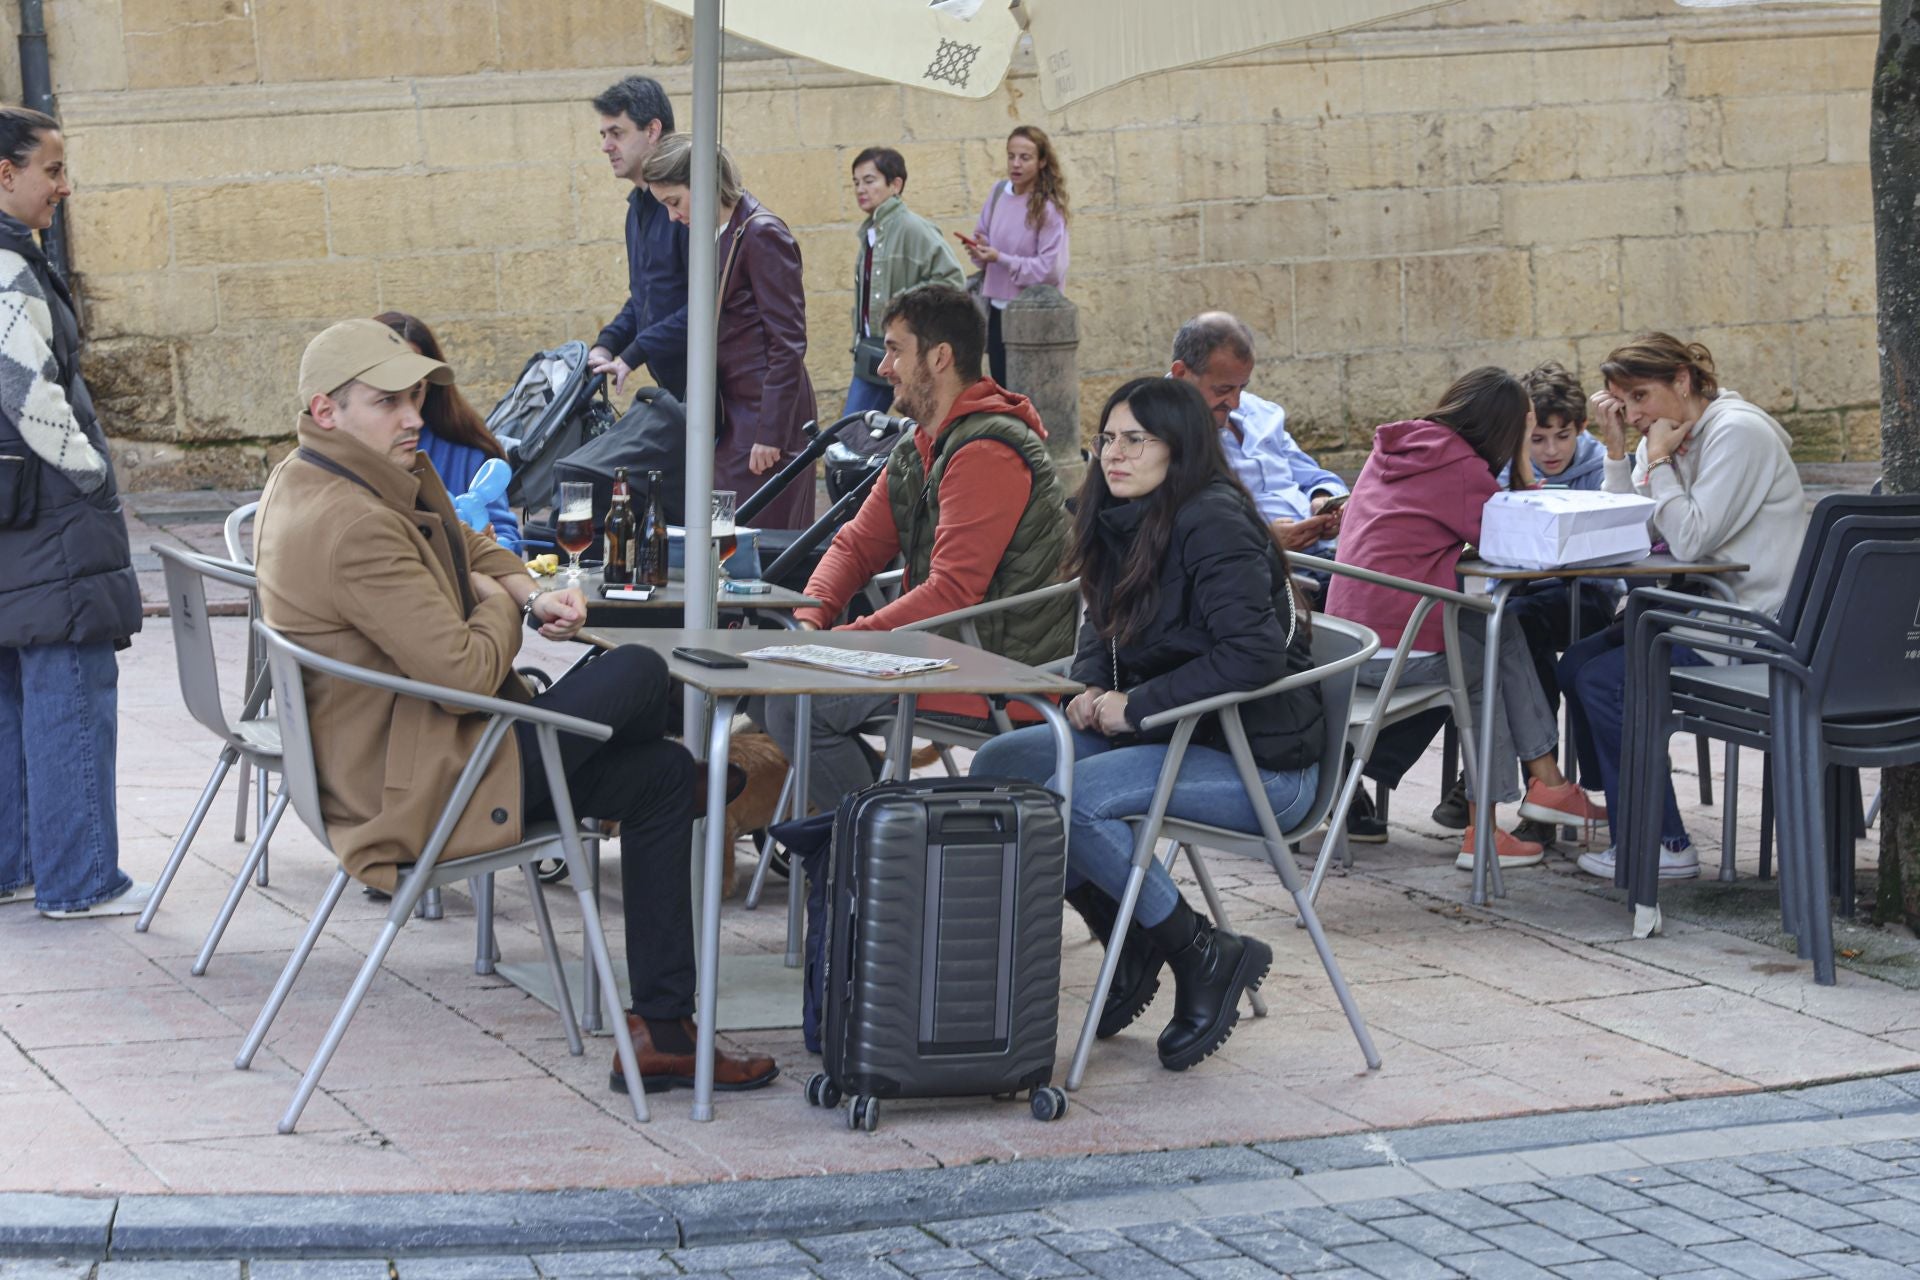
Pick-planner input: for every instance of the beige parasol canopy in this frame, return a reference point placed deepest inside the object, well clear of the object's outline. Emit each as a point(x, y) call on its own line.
point(964, 47)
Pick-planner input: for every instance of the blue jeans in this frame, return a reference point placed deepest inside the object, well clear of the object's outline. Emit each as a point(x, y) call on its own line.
point(1593, 674)
point(1112, 782)
point(59, 705)
point(862, 396)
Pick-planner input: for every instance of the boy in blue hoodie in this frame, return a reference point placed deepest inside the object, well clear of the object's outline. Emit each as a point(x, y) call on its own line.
point(1565, 456)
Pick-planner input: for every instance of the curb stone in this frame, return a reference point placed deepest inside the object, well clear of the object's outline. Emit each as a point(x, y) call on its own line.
point(36, 1225)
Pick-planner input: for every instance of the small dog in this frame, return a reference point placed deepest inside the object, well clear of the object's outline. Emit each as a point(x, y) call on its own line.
point(755, 807)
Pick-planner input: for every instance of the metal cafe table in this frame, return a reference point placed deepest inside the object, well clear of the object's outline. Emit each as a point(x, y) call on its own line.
point(972, 671)
point(1504, 580)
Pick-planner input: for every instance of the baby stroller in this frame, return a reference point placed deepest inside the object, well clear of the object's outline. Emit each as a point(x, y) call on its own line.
point(788, 557)
point(555, 407)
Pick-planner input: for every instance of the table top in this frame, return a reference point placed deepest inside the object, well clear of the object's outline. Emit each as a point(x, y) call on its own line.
point(674, 595)
point(1660, 566)
point(974, 670)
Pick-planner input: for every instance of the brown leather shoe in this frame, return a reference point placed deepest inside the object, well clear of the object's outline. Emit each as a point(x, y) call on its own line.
point(732, 1073)
point(736, 783)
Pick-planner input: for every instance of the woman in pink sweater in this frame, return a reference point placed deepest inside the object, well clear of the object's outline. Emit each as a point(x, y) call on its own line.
point(1416, 506)
point(1021, 237)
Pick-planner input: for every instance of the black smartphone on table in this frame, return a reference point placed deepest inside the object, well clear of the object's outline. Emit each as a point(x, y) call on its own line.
point(709, 658)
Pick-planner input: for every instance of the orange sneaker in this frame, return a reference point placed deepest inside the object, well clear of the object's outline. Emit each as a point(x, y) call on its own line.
point(1565, 804)
point(1511, 852)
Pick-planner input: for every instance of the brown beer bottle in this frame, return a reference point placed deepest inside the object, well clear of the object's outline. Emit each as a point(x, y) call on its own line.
point(653, 535)
point(620, 531)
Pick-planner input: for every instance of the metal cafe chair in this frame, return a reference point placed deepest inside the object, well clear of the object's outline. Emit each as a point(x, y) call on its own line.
point(1840, 690)
point(1339, 648)
point(251, 741)
point(240, 552)
point(563, 837)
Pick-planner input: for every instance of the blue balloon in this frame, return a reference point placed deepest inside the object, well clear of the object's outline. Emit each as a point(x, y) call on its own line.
point(490, 482)
point(489, 485)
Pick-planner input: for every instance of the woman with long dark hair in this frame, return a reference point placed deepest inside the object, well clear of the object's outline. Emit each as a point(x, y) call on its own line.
point(453, 435)
point(1188, 597)
point(1021, 237)
point(68, 595)
point(1417, 504)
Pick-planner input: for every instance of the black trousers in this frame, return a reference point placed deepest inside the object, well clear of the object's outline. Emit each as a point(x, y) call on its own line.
point(996, 347)
point(649, 784)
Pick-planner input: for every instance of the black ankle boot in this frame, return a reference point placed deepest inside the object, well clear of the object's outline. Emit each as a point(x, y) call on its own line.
point(1138, 976)
point(1212, 970)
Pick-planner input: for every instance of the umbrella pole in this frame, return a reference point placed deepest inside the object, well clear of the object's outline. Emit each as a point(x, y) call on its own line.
point(702, 346)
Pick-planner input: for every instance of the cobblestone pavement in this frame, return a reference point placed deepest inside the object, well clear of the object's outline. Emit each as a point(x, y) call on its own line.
point(1739, 1200)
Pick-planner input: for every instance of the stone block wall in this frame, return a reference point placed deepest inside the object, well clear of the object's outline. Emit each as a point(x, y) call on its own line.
point(1494, 181)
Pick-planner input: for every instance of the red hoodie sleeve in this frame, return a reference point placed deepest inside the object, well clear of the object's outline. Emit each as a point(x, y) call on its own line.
point(861, 549)
point(982, 494)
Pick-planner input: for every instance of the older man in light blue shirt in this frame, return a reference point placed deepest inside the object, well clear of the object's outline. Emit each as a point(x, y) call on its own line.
point(1214, 351)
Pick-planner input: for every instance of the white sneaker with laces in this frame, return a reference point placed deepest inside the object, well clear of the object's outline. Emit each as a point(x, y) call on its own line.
point(130, 903)
point(1681, 865)
point(22, 894)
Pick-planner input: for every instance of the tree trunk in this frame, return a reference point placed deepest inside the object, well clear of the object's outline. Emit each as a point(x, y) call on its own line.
point(1895, 146)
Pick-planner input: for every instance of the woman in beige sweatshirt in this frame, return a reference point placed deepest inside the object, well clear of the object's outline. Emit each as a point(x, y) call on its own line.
point(1721, 475)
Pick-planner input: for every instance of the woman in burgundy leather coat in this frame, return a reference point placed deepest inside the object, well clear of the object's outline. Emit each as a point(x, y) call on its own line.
point(765, 393)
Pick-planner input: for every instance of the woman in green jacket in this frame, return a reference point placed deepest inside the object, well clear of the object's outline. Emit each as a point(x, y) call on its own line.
point(897, 250)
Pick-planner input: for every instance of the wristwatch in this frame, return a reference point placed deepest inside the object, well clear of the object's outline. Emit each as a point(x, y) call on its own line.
point(526, 608)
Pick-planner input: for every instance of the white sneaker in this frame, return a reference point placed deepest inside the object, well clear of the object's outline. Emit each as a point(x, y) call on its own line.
point(23, 894)
point(130, 903)
point(1684, 865)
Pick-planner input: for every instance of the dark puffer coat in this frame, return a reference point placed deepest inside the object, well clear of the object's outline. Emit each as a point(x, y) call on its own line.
point(1221, 626)
point(67, 578)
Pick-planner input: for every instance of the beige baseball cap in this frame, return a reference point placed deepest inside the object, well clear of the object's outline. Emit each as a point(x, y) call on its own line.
point(364, 351)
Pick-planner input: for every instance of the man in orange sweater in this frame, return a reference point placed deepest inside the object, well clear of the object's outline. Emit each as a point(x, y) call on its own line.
point(969, 500)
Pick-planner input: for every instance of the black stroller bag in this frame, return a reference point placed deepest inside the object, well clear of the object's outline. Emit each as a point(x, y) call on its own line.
point(652, 436)
point(942, 965)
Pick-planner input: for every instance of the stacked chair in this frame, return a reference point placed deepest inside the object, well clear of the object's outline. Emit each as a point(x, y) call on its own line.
point(1832, 683)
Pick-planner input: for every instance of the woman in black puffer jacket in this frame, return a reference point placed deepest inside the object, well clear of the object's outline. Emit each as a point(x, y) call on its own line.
point(1188, 597)
point(68, 595)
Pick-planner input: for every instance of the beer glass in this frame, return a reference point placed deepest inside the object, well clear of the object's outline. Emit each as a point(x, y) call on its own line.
point(573, 524)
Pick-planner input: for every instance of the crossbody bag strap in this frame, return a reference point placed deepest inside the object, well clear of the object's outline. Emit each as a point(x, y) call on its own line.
point(325, 463)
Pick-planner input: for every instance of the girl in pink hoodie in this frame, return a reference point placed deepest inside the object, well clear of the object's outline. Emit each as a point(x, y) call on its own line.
point(1415, 508)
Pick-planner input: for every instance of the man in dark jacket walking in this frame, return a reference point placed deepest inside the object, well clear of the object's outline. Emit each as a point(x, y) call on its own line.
point(651, 328)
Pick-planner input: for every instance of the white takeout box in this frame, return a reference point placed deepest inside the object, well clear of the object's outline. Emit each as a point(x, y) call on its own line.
point(1564, 528)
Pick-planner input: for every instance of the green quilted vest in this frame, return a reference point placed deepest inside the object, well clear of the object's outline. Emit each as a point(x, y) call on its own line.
point(1032, 559)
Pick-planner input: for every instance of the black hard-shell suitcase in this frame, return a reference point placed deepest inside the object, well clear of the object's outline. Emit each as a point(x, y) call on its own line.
point(943, 945)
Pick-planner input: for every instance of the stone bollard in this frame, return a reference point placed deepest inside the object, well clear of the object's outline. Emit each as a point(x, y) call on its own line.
point(1042, 331)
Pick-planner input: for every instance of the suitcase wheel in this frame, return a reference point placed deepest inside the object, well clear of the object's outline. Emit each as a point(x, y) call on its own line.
point(863, 1112)
point(822, 1091)
point(1048, 1103)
